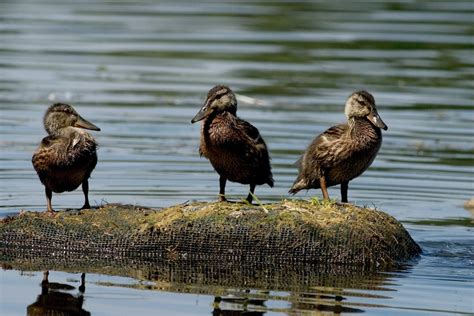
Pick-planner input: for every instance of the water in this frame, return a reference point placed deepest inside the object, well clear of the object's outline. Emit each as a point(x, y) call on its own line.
point(140, 70)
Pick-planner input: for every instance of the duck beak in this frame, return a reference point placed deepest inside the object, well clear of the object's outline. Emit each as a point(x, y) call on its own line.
point(204, 112)
point(376, 120)
point(83, 123)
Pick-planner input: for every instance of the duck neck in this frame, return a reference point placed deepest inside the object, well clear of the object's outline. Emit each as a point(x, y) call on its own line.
point(361, 128)
point(53, 129)
point(61, 131)
point(214, 123)
point(208, 120)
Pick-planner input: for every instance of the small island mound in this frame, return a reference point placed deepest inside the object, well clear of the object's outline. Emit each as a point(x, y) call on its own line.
point(290, 232)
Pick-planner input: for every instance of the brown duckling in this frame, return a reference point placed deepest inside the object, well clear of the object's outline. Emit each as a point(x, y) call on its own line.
point(65, 159)
point(343, 152)
point(233, 146)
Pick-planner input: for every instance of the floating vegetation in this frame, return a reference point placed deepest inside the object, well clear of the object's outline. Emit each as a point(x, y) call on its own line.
point(292, 231)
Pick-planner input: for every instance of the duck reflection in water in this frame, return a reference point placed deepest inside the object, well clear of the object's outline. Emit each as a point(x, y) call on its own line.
point(330, 303)
point(54, 301)
point(238, 306)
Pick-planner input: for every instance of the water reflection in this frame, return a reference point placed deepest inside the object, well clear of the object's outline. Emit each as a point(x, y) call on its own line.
point(236, 306)
point(243, 303)
point(237, 290)
point(54, 300)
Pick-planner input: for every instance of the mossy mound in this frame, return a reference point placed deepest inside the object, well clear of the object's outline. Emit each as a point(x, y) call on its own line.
point(326, 234)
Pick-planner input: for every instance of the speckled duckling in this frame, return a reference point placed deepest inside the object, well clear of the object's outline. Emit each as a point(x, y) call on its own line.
point(66, 157)
point(233, 146)
point(343, 152)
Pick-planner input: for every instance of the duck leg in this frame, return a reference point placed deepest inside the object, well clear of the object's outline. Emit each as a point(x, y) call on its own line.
point(44, 283)
point(250, 196)
point(344, 188)
point(85, 189)
point(222, 182)
point(49, 196)
point(45, 276)
point(324, 189)
point(82, 287)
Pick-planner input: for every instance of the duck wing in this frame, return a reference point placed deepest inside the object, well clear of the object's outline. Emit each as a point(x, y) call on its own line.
point(244, 142)
point(63, 152)
point(256, 149)
point(47, 153)
point(249, 139)
point(328, 148)
point(324, 152)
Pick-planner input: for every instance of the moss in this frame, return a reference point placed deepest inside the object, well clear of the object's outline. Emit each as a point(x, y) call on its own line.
point(112, 218)
point(289, 231)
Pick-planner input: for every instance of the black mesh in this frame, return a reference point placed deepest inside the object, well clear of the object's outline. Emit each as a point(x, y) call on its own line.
point(363, 240)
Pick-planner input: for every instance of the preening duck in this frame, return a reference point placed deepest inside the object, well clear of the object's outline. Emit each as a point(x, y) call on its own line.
point(66, 157)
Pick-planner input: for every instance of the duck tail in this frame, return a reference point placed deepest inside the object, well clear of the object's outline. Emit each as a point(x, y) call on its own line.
point(270, 182)
point(293, 190)
point(297, 186)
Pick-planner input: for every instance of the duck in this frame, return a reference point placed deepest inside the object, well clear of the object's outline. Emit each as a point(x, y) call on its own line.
point(65, 159)
point(342, 152)
point(234, 147)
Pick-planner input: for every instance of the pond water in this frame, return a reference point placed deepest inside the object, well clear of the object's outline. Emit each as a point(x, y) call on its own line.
point(140, 71)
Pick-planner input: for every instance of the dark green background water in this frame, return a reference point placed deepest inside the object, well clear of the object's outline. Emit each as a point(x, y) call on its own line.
point(141, 69)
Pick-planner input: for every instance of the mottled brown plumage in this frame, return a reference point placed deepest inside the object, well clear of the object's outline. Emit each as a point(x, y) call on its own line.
point(233, 146)
point(65, 159)
point(342, 152)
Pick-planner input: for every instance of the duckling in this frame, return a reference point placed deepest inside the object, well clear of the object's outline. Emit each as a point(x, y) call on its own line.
point(65, 159)
point(233, 146)
point(343, 152)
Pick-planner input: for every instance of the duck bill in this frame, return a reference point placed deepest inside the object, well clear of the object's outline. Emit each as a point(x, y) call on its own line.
point(83, 123)
point(204, 112)
point(376, 120)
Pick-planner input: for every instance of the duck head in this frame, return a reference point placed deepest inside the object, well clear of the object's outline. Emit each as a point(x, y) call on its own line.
point(219, 99)
point(362, 104)
point(61, 115)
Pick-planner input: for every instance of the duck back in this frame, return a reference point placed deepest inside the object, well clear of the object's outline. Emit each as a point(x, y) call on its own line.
point(341, 153)
point(235, 149)
point(357, 152)
point(64, 161)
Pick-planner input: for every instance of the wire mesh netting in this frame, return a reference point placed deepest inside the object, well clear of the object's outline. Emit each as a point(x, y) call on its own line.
point(290, 232)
